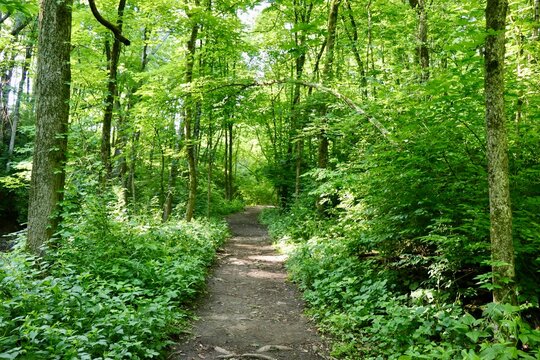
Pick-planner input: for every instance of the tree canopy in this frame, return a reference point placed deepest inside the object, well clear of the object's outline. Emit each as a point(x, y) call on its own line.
point(398, 139)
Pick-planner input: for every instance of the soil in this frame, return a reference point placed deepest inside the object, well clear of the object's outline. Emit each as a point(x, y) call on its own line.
point(251, 311)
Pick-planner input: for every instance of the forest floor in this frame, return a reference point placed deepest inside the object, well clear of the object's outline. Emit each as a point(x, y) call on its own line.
point(250, 311)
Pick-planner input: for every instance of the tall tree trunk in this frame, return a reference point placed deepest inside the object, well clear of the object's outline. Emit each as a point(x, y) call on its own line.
point(230, 160)
point(226, 161)
point(17, 108)
point(5, 91)
point(328, 72)
point(354, 44)
point(302, 16)
point(173, 175)
point(502, 247)
point(190, 115)
point(369, 49)
point(422, 50)
point(113, 57)
point(210, 150)
point(328, 75)
point(52, 113)
point(536, 18)
point(5, 83)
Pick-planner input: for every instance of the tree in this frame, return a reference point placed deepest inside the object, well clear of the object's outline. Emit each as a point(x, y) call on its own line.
point(422, 51)
point(52, 113)
point(502, 247)
point(188, 121)
point(113, 57)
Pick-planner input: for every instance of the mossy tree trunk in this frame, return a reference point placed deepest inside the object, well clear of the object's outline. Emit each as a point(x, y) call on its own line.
point(52, 113)
point(502, 247)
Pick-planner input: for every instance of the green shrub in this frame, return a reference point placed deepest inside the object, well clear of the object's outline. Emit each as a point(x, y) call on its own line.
point(109, 288)
point(360, 301)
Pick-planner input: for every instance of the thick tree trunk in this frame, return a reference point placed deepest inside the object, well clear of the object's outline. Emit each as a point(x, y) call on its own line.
point(52, 113)
point(502, 247)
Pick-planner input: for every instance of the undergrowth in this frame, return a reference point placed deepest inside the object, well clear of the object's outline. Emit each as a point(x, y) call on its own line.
point(361, 302)
point(110, 287)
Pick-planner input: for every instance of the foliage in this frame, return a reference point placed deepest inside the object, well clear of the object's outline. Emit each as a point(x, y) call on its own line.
point(360, 301)
point(108, 289)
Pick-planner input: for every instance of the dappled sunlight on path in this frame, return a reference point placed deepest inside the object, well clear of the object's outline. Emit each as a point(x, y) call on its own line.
point(251, 311)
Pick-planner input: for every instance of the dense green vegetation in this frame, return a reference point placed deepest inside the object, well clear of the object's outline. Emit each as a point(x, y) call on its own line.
point(405, 165)
point(113, 289)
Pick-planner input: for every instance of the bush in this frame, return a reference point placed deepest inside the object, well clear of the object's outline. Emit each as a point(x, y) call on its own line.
point(359, 300)
point(109, 288)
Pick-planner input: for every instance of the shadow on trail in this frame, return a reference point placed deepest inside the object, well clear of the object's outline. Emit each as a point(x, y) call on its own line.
point(251, 311)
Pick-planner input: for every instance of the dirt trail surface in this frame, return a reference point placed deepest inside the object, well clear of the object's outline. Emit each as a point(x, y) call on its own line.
point(251, 311)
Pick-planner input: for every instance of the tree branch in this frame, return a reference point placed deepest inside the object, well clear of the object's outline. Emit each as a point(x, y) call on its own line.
point(116, 31)
point(348, 101)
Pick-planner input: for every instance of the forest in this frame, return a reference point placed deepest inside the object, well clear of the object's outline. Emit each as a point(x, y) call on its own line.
point(398, 140)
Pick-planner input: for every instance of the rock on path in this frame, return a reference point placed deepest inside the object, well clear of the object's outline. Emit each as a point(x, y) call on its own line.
point(251, 311)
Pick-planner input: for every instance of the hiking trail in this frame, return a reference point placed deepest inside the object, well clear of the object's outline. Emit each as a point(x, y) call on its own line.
point(251, 311)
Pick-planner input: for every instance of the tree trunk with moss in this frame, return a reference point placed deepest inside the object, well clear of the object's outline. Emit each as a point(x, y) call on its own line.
point(52, 113)
point(502, 247)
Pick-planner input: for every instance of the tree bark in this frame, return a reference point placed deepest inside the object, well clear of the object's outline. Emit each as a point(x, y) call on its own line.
point(17, 108)
point(502, 247)
point(536, 18)
point(173, 175)
point(113, 57)
point(328, 75)
point(52, 113)
point(5, 91)
point(354, 45)
point(328, 72)
point(116, 30)
point(302, 16)
point(190, 146)
point(230, 143)
point(422, 50)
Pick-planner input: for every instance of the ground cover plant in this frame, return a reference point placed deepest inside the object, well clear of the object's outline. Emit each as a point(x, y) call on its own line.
point(108, 288)
point(377, 306)
point(400, 139)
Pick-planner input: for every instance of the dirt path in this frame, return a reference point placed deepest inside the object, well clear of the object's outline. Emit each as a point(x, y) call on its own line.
point(251, 311)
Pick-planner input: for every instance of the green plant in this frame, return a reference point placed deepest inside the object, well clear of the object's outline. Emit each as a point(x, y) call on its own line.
point(108, 289)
